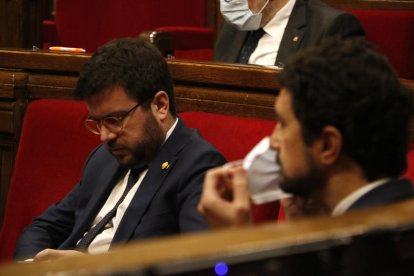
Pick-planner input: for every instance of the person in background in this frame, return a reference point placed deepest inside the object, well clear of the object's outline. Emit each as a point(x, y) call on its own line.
point(268, 32)
point(341, 138)
point(145, 179)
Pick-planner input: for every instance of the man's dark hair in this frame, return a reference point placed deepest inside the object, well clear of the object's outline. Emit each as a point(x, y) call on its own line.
point(349, 85)
point(135, 65)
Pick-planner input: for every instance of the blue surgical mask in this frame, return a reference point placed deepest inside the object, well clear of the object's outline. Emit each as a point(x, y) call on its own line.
point(238, 13)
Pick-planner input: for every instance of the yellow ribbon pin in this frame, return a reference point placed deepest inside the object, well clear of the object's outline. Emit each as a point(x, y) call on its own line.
point(165, 165)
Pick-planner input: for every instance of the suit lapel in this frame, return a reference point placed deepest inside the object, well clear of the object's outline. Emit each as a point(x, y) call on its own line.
point(294, 33)
point(158, 170)
point(229, 44)
point(235, 45)
point(104, 181)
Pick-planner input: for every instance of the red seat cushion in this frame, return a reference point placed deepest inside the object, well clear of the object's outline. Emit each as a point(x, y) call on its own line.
point(53, 147)
point(409, 173)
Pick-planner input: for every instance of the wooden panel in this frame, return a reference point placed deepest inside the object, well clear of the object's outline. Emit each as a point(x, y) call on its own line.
point(245, 104)
point(7, 155)
point(6, 118)
point(46, 86)
point(257, 78)
point(42, 60)
point(12, 83)
point(11, 117)
point(11, 23)
point(21, 22)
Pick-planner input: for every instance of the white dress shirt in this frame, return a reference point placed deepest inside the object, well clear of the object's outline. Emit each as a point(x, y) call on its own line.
point(102, 241)
point(268, 46)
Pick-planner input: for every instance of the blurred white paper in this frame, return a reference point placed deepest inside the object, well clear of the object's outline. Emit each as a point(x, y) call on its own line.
point(263, 173)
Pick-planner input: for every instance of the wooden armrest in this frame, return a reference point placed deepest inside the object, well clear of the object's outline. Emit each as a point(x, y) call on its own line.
point(170, 39)
point(163, 40)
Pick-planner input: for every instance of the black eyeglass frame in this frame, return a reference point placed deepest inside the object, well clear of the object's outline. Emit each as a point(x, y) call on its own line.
point(95, 125)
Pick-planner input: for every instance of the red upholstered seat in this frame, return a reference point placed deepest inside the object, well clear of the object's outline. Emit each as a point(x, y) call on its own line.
point(231, 135)
point(409, 173)
point(53, 147)
point(192, 43)
point(89, 24)
point(393, 32)
point(235, 137)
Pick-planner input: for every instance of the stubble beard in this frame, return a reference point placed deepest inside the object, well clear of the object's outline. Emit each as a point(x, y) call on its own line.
point(306, 185)
point(145, 151)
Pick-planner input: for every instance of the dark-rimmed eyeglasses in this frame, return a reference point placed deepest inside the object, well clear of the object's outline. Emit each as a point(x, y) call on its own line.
point(111, 123)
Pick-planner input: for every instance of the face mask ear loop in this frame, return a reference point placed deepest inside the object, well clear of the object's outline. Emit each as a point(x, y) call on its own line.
point(261, 10)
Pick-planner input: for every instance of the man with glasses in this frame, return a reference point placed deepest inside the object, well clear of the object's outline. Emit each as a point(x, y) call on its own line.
point(145, 179)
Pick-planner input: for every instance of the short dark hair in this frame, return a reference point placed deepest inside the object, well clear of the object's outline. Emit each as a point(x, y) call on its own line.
point(134, 64)
point(349, 85)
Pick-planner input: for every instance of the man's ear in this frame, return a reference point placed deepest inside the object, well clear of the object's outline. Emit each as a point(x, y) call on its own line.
point(161, 105)
point(330, 145)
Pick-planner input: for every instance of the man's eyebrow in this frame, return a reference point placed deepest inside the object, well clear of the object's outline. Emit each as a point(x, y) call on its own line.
point(112, 114)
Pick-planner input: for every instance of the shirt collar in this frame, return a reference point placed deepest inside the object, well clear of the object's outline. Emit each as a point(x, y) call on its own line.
point(347, 202)
point(171, 130)
point(279, 18)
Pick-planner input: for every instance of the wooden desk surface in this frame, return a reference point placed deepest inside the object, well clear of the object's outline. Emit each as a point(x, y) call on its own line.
point(232, 244)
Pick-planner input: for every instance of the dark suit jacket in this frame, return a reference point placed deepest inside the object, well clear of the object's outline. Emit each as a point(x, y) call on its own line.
point(309, 22)
point(390, 192)
point(374, 253)
point(165, 203)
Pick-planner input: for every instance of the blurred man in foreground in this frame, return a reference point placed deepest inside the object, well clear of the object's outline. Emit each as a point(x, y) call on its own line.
point(342, 136)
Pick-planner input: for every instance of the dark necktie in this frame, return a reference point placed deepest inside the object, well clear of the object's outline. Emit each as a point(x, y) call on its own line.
point(98, 228)
point(250, 45)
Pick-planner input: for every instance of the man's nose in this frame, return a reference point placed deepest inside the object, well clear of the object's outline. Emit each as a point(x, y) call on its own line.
point(274, 138)
point(106, 135)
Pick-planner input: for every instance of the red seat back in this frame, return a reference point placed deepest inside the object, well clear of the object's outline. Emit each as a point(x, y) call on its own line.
point(235, 137)
point(53, 147)
point(393, 32)
point(89, 24)
point(409, 173)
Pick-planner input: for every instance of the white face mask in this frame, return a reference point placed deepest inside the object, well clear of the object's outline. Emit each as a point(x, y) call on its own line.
point(263, 173)
point(238, 13)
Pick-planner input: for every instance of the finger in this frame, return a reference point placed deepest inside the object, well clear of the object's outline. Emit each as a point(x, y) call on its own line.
point(212, 197)
point(286, 202)
point(240, 187)
point(45, 254)
point(213, 179)
point(241, 197)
